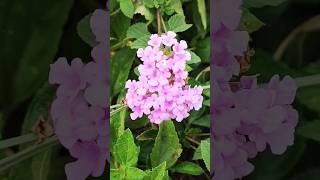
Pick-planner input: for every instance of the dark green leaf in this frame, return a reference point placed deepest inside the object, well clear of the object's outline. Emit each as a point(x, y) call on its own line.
point(203, 49)
point(84, 31)
point(203, 121)
point(120, 66)
point(261, 3)
point(310, 130)
point(250, 22)
point(30, 37)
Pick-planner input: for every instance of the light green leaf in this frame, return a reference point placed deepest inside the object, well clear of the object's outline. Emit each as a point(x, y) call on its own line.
point(120, 66)
point(194, 58)
point(116, 174)
point(203, 13)
point(133, 173)
point(173, 6)
point(157, 173)
point(188, 168)
point(149, 3)
point(197, 154)
point(141, 9)
point(142, 42)
point(250, 22)
point(205, 152)
point(167, 147)
point(137, 30)
point(127, 8)
point(125, 151)
point(177, 23)
point(84, 31)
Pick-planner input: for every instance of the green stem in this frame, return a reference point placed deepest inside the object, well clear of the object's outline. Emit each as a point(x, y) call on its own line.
point(308, 80)
point(158, 21)
point(27, 153)
point(116, 111)
point(114, 12)
point(164, 25)
point(206, 87)
point(17, 140)
point(115, 106)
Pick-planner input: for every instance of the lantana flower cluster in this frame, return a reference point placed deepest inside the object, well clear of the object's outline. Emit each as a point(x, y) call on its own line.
point(162, 92)
point(79, 111)
point(247, 118)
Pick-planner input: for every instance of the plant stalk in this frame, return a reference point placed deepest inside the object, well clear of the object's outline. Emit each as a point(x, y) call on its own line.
point(17, 140)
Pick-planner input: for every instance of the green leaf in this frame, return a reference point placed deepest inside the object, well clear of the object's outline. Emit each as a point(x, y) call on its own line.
point(142, 42)
point(141, 9)
point(137, 30)
point(167, 147)
point(250, 22)
point(116, 174)
point(309, 96)
point(203, 121)
point(125, 151)
point(310, 130)
point(194, 58)
point(157, 173)
point(203, 13)
point(197, 154)
point(39, 107)
point(30, 38)
point(149, 3)
point(177, 23)
point(205, 152)
point(188, 168)
point(173, 6)
point(206, 102)
point(120, 66)
point(41, 166)
point(84, 31)
point(261, 3)
point(149, 134)
point(117, 121)
point(119, 25)
point(127, 8)
point(133, 173)
point(203, 49)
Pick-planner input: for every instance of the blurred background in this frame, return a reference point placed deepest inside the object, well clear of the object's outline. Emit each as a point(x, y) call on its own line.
point(288, 43)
